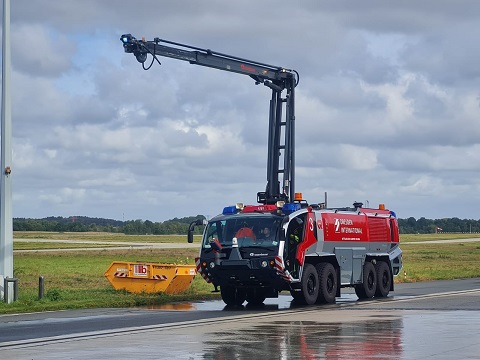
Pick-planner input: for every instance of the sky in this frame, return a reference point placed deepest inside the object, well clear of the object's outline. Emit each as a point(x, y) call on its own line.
point(387, 107)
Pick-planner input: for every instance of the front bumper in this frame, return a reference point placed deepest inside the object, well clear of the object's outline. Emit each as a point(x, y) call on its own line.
point(258, 272)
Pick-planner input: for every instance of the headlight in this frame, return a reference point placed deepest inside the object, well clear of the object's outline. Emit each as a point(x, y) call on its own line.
point(212, 265)
point(264, 263)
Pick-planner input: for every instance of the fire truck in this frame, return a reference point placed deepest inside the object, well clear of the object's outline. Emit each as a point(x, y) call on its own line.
point(284, 243)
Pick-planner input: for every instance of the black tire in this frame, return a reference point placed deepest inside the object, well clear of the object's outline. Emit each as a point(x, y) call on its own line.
point(384, 279)
point(327, 278)
point(297, 296)
point(310, 284)
point(233, 296)
point(367, 289)
point(255, 296)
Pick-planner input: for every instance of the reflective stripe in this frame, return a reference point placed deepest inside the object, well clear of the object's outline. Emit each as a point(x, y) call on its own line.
point(159, 277)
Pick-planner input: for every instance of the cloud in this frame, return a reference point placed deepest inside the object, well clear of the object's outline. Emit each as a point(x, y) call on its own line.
point(38, 50)
point(387, 106)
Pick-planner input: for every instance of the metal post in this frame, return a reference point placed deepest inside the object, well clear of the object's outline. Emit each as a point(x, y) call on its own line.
point(41, 287)
point(6, 293)
point(6, 219)
point(5, 289)
point(15, 290)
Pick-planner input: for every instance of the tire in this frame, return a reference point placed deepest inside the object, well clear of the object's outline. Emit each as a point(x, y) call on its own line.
point(232, 296)
point(310, 284)
point(384, 279)
point(367, 289)
point(255, 296)
point(297, 296)
point(327, 278)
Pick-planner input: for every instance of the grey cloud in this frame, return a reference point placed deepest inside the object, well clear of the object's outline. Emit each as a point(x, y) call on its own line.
point(449, 56)
point(40, 51)
point(387, 106)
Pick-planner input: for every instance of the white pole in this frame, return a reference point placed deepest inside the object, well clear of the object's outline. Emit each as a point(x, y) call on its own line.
point(6, 218)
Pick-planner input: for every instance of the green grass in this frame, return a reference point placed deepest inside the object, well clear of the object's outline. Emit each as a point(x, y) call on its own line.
point(440, 261)
point(74, 279)
point(405, 238)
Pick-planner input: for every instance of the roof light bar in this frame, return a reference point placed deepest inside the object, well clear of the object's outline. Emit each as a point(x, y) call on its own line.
point(290, 208)
point(230, 210)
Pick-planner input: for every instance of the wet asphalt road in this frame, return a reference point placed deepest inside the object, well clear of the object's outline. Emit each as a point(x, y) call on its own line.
point(435, 319)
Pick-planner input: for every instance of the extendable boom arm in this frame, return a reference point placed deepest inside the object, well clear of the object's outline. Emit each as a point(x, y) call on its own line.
point(205, 57)
point(276, 78)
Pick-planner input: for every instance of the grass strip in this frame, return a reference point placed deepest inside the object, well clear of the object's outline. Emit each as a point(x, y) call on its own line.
point(74, 280)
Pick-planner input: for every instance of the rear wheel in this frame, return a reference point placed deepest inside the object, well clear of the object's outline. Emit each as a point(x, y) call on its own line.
point(367, 289)
point(233, 296)
point(310, 284)
point(327, 278)
point(384, 279)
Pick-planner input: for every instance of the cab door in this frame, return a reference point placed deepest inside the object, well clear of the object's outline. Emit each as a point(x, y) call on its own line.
point(309, 237)
point(294, 236)
point(301, 234)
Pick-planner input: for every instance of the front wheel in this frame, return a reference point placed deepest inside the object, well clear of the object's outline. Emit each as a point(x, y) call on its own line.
point(233, 296)
point(310, 284)
point(367, 289)
point(297, 296)
point(255, 296)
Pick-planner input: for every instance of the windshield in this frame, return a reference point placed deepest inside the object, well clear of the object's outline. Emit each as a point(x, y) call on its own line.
point(250, 231)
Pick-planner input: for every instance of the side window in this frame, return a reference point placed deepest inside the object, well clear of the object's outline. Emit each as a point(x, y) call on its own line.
point(295, 229)
point(214, 232)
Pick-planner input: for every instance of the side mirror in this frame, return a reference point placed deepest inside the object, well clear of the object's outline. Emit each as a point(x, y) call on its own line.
point(192, 225)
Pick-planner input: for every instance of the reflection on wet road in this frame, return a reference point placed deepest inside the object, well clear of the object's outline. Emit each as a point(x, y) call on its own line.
point(310, 340)
point(408, 336)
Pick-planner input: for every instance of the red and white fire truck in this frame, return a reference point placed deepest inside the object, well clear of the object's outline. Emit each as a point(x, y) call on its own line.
point(253, 252)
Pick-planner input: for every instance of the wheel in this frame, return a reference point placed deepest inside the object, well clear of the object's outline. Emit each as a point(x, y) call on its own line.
point(255, 296)
point(297, 295)
point(384, 279)
point(233, 296)
point(367, 289)
point(327, 278)
point(310, 284)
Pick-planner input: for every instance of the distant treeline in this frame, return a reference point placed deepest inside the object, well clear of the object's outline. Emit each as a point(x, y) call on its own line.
point(447, 225)
point(180, 226)
point(84, 224)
